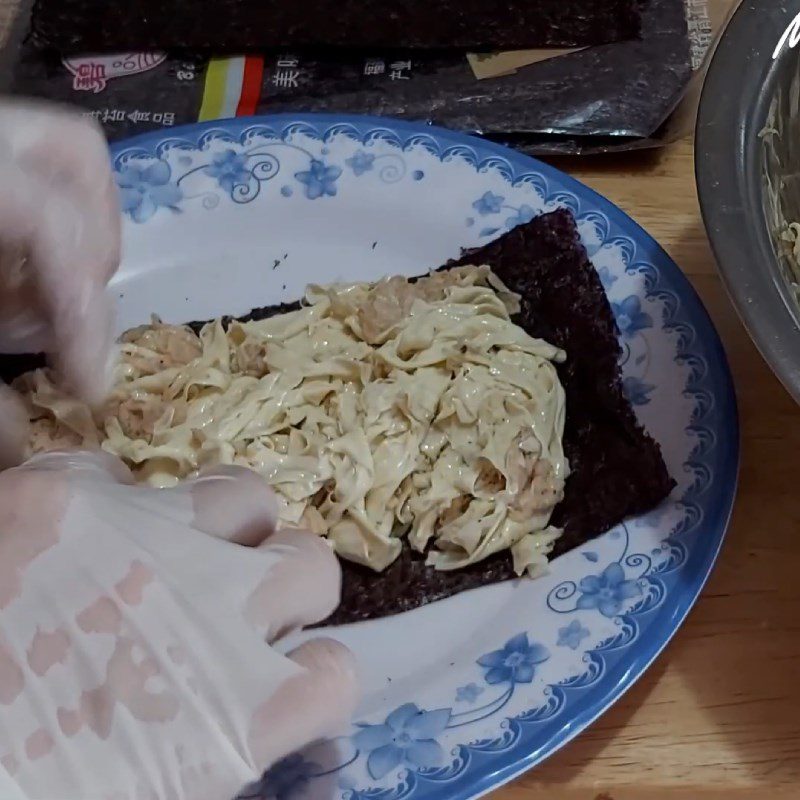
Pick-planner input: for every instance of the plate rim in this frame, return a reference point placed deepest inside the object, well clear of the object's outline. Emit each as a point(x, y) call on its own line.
point(652, 643)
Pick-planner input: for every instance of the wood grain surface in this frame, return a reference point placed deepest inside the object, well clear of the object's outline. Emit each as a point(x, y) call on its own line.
point(717, 716)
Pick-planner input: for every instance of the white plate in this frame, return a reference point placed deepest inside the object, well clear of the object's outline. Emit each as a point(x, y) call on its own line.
point(461, 695)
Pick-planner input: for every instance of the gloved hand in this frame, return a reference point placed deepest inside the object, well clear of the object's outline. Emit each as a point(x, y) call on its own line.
point(136, 628)
point(59, 246)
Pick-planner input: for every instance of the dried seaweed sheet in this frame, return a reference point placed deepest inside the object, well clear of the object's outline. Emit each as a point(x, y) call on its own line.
point(617, 470)
point(235, 25)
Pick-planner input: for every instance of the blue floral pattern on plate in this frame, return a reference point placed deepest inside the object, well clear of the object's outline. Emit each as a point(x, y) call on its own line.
point(360, 162)
point(606, 610)
point(516, 661)
point(229, 169)
point(572, 635)
point(469, 693)
point(144, 188)
point(608, 591)
point(407, 736)
point(489, 203)
point(607, 278)
point(146, 183)
point(630, 317)
point(319, 179)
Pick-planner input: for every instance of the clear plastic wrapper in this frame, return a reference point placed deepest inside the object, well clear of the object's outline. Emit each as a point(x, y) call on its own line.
point(622, 96)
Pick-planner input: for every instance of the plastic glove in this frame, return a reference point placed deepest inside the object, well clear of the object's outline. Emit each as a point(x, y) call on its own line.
point(135, 631)
point(59, 246)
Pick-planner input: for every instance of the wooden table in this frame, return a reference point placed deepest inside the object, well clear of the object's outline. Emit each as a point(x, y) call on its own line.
point(718, 714)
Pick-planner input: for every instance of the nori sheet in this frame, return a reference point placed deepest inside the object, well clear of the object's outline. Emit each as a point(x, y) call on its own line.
point(616, 467)
point(617, 470)
point(100, 26)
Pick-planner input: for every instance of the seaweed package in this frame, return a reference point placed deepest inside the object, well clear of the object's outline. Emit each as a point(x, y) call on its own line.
point(589, 92)
point(616, 96)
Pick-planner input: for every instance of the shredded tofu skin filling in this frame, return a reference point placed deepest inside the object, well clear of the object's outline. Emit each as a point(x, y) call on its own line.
point(377, 412)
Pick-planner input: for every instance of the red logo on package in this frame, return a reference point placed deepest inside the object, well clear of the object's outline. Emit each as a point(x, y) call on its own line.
point(92, 73)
